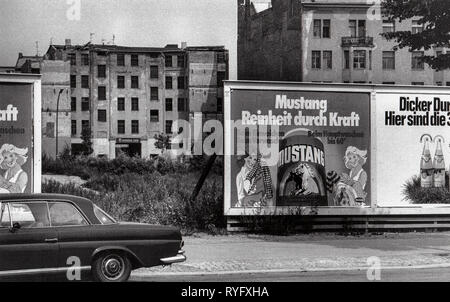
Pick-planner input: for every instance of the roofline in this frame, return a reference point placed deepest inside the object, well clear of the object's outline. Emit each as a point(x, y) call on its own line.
point(270, 85)
point(338, 5)
point(119, 48)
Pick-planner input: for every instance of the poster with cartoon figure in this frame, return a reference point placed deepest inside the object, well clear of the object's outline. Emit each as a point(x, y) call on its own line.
point(15, 179)
point(15, 138)
point(323, 150)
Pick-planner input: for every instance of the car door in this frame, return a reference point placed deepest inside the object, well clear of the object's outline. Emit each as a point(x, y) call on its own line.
point(31, 243)
point(74, 234)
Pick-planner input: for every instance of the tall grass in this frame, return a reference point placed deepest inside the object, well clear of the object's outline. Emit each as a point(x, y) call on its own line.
point(146, 191)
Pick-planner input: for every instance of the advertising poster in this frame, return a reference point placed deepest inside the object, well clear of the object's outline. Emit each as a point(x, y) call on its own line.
point(323, 156)
point(16, 153)
point(413, 154)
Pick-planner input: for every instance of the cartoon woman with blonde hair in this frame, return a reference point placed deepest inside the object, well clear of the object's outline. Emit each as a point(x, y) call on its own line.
point(351, 187)
point(12, 159)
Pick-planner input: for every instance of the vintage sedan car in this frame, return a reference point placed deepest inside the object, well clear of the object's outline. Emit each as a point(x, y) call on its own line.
point(42, 233)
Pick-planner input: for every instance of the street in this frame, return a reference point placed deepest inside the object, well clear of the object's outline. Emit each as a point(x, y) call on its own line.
point(305, 258)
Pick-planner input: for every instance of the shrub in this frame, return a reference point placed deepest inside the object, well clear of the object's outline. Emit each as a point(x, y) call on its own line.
point(418, 195)
point(154, 198)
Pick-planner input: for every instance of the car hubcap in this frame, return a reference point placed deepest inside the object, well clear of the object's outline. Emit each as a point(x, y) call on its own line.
point(113, 267)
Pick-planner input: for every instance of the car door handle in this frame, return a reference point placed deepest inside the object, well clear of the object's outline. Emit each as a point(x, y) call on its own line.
point(51, 240)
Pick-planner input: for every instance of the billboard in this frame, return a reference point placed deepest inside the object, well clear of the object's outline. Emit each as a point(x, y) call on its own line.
point(336, 149)
point(323, 152)
point(18, 154)
point(413, 129)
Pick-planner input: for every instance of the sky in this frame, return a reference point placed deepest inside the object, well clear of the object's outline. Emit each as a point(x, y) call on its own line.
point(133, 23)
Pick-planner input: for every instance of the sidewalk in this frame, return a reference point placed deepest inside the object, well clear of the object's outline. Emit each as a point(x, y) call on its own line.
point(258, 253)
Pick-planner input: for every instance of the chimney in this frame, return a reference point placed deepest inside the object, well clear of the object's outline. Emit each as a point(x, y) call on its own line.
point(183, 45)
point(20, 55)
point(68, 42)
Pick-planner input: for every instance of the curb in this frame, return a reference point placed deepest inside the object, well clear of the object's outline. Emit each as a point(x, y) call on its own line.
point(272, 271)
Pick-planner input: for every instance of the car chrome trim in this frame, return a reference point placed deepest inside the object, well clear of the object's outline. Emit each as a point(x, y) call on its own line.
point(180, 257)
point(41, 270)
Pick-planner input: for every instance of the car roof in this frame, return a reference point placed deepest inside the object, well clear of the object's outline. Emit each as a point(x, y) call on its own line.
point(84, 204)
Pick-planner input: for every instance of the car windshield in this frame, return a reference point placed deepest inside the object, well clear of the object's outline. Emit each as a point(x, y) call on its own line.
point(102, 216)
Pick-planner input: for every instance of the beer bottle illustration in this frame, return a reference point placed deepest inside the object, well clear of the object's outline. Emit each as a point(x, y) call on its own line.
point(426, 165)
point(439, 164)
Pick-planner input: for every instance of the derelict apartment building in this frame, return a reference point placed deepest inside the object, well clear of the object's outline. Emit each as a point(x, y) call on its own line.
point(126, 95)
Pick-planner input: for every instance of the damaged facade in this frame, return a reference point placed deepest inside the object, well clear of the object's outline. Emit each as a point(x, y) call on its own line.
point(126, 95)
point(55, 97)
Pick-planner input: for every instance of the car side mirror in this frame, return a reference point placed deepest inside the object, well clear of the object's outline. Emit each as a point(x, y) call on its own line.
point(16, 226)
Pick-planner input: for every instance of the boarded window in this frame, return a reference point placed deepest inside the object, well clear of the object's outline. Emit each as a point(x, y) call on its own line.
point(121, 126)
point(135, 82)
point(169, 126)
point(154, 95)
point(101, 115)
point(169, 83)
point(120, 82)
point(169, 105)
point(389, 60)
point(84, 81)
point(120, 59)
point(85, 104)
point(134, 126)
point(168, 61)
point(134, 104)
point(73, 104)
point(73, 81)
point(154, 72)
point(316, 59)
point(154, 116)
point(101, 71)
point(102, 93)
point(134, 60)
point(120, 104)
point(327, 59)
point(84, 59)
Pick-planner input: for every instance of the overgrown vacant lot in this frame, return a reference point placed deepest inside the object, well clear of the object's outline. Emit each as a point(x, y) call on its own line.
point(150, 191)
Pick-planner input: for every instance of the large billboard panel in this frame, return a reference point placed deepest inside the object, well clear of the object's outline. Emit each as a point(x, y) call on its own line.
point(322, 155)
point(20, 133)
point(413, 151)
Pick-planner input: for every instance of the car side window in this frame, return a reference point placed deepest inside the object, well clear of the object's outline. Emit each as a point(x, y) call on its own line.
point(5, 219)
point(102, 216)
point(65, 214)
point(30, 215)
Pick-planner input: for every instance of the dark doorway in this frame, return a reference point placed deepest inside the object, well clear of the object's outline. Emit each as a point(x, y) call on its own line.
point(134, 150)
point(130, 149)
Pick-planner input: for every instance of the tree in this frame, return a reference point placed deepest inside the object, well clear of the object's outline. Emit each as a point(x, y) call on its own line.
point(86, 137)
point(162, 141)
point(433, 15)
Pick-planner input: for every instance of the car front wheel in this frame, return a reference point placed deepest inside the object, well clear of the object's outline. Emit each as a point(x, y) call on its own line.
point(111, 267)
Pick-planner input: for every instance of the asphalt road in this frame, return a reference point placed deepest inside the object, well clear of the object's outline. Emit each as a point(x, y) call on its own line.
point(395, 275)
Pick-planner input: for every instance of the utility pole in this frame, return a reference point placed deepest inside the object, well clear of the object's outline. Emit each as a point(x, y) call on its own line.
point(56, 124)
point(37, 48)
